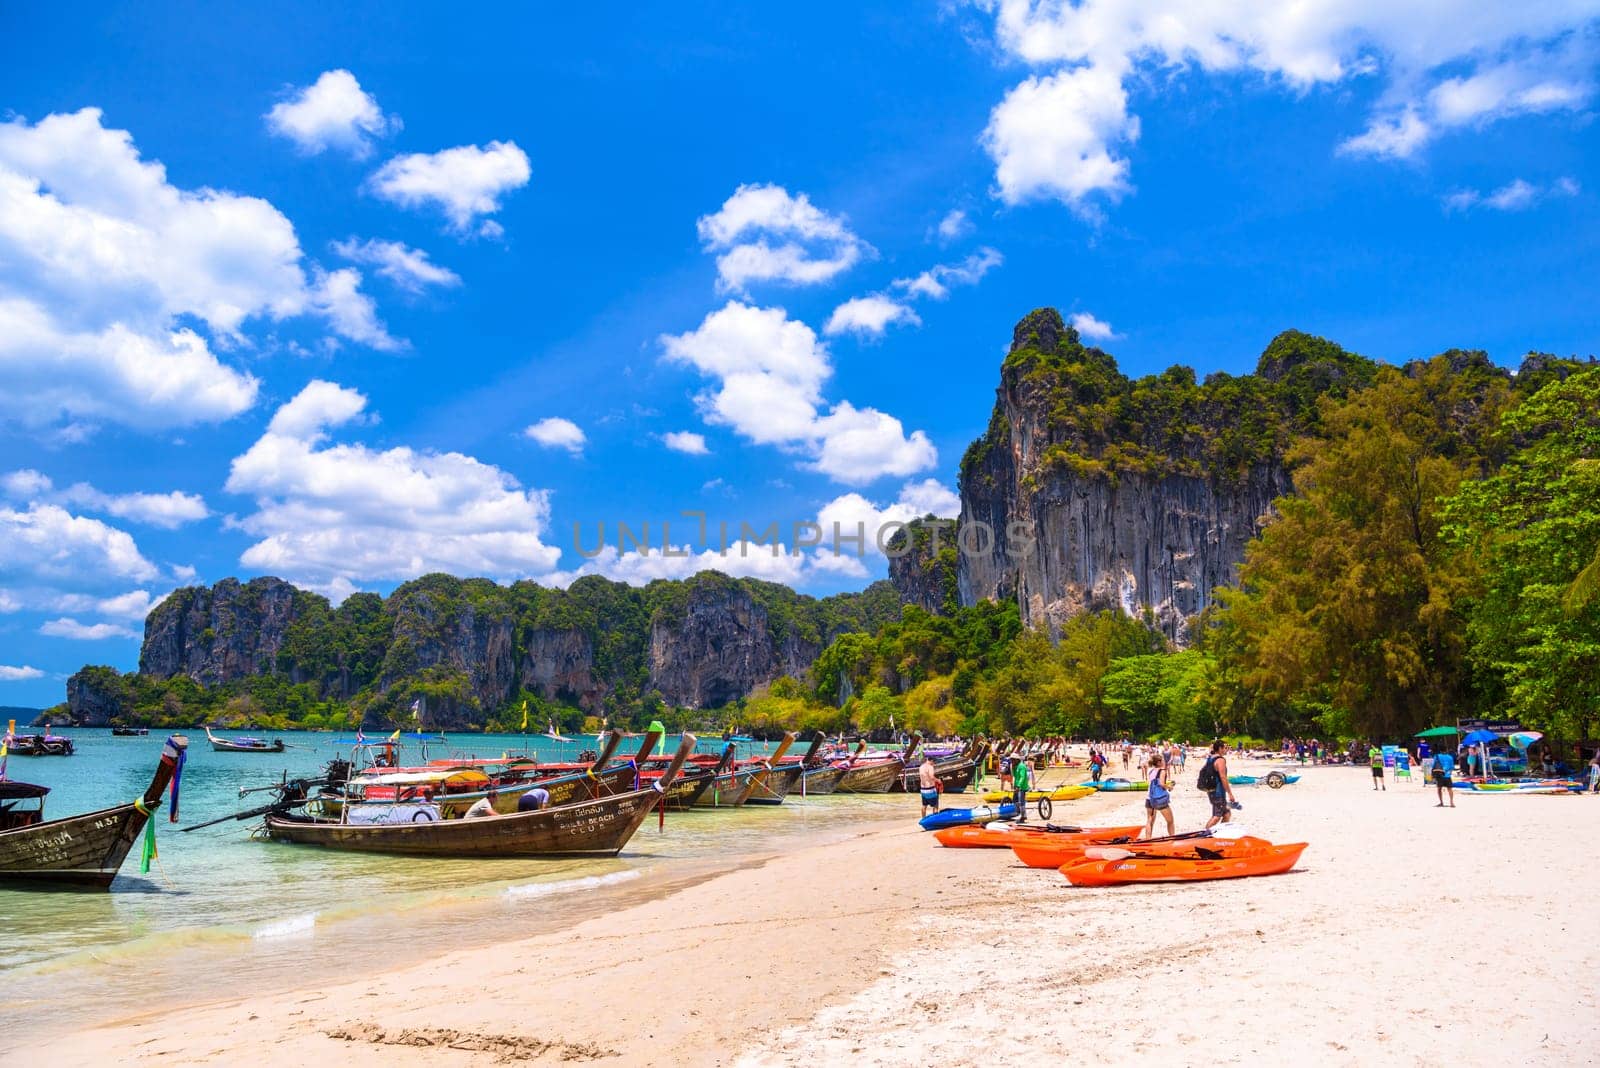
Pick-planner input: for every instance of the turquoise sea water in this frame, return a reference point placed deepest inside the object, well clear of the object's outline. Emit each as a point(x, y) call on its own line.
point(223, 914)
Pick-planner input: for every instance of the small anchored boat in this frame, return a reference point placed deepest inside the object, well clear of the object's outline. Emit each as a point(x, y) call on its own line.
point(244, 745)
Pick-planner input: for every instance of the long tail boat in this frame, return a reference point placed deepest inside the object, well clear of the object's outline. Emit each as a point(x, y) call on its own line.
point(955, 770)
point(600, 827)
point(244, 745)
point(878, 776)
point(824, 779)
point(454, 788)
point(46, 744)
point(79, 851)
point(693, 785)
point(772, 783)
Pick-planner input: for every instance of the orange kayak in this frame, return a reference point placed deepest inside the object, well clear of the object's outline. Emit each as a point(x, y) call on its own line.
point(1003, 836)
point(1054, 854)
point(1273, 860)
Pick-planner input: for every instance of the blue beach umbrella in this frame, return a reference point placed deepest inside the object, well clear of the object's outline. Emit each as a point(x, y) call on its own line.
point(1481, 739)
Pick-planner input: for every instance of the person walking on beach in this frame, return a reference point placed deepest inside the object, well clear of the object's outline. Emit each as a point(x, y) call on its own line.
point(1021, 781)
point(1443, 765)
point(928, 779)
point(1375, 758)
point(1214, 781)
point(1159, 798)
point(1594, 772)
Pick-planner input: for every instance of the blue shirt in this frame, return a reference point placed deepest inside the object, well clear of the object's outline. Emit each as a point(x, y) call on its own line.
point(1444, 762)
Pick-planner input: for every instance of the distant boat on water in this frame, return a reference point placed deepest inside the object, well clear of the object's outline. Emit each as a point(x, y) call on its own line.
point(244, 745)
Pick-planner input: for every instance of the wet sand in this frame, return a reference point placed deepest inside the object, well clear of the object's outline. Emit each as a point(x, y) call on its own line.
point(1408, 933)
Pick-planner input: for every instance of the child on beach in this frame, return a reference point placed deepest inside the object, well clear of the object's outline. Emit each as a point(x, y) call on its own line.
point(1159, 798)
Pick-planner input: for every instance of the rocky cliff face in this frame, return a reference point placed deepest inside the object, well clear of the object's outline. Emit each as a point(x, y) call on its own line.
point(229, 631)
point(1103, 492)
point(719, 647)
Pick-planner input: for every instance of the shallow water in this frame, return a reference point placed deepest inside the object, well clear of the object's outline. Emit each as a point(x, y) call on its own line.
point(222, 914)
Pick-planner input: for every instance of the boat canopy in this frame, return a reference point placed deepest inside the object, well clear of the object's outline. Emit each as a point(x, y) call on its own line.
point(15, 791)
point(454, 777)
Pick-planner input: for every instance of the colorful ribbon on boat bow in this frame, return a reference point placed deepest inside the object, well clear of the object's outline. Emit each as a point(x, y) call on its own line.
point(148, 852)
point(177, 779)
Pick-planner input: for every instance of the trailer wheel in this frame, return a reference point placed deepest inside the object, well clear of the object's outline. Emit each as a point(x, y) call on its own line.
point(1045, 809)
point(1275, 779)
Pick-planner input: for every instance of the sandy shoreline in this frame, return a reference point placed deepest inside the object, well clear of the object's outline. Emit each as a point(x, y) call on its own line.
point(1408, 932)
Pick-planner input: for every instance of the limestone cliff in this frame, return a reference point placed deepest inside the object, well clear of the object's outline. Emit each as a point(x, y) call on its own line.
point(465, 649)
point(1105, 492)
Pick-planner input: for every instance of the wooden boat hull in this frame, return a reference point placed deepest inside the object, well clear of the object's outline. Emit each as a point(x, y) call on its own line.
point(83, 852)
point(589, 828)
point(770, 788)
point(728, 790)
point(687, 790)
point(871, 779)
point(956, 777)
point(820, 782)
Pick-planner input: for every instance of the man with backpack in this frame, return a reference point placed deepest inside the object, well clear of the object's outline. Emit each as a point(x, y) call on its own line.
point(1021, 781)
point(1214, 782)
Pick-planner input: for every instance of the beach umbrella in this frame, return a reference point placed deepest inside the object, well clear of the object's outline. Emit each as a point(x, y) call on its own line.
point(1436, 732)
point(1481, 739)
point(1523, 739)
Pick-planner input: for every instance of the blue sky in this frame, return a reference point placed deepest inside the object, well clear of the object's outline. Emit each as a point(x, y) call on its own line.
point(419, 289)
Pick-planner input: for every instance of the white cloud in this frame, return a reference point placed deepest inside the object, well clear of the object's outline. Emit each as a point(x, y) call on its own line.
point(869, 316)
point(1516, 195)
point(407, 267)
point(762, 234)
point(117, 283)
point(1090, 327)
point(337, 295)
point(166, 510)
point(557, 433)
point(743, 559)
point(850, 515)
point(936, 282)
point(85, 632)
point(466, 182)
point(1054, 137)
point(954, 226)
point(46, 541)
point(685, 441)
point(333, 112)
point(334, 515)
point(770, 371)
point(10, 673)
point(133, 605)
point(1062, 132)
point(1390, 137)
point(858, 446)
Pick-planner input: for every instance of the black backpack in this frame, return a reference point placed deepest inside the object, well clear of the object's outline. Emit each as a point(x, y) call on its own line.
point(1209, 779)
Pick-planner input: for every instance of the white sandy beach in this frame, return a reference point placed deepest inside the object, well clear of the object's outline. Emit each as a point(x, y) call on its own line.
point(1408, 934)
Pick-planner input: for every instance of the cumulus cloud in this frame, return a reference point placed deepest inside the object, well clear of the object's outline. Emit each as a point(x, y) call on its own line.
point(166, 510)
point(852, 515)
point(12, 673)
point(85, 632)
point(333, 112)
point(869, 316)
point(466, 183)
point(742, 559)
point(954, 226)
point(1090, 327)
point(763, 234)
point(408, 268)
point(557, 433)
point(118, 283)
point(769, 371)
point(1062, 133)
point(337, 295)
point(46, 541)
point(1516, 195)
point(685, 441)
point(936, 282)
point(334, 515)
